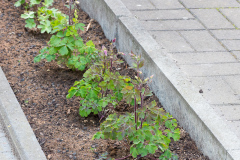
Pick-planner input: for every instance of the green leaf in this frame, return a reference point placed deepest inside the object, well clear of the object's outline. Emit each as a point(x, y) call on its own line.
point(141, 64)
point(63, 51)
point(151, 148)
point(72, 91)
point(37, 58)
point(80, 26)
point(45, 26)
point(55, 41)
point(29, 14)
point(30, 23)
point(81, 67)
point(79, 43)
point(93, 94)
point(52, 50)
point(103, 84)
point(60, 34)
point(48, 3)
point(90, 43)
point(133, 151)
point(98, 135)
point(103, 103)
point(19, 3)
point(34, 2)
point(49, 58)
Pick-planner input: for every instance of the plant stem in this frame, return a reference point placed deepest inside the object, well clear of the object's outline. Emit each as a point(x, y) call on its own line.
point(70, 3)
point(151, 157)
point(124, 157)
point(141, 106)
point(135, 110)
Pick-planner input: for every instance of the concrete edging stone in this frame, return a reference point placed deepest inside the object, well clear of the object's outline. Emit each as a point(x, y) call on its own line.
point(18, 128)
point(170, 85)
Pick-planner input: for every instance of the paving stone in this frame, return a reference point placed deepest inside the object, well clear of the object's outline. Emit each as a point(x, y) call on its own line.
point(223, 69)
point(228, 112)
point(227, 34)
point(215, 90)
point(172, 25)
point(167, 4)
point(162, 14)
point(212, 19)
point(171, 40)
point(203, 57)
point(234, 82)
point(202, 41)
point(210, 3)
point(232, 44)
point(138, 4)
point(235, 127)
point(233, 15)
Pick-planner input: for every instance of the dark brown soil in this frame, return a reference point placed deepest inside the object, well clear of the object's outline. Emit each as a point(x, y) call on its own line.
point(41, 90)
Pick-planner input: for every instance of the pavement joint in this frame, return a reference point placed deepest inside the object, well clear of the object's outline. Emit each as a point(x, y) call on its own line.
point(168, 19)
point(187, 41)
point(227, 18)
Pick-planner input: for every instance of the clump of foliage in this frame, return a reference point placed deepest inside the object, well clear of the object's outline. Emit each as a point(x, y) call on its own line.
point(148, 129)
point(100, 87)
point(66, 47)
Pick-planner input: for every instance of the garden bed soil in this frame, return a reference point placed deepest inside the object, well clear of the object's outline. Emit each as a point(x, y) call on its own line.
point(41, 90)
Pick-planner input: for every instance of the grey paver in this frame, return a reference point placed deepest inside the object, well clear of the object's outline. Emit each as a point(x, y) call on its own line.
point(235, 126)
point(212, 69)
point(172, 25)
point(168, 38)
point(212, 19)
point(138, 4)
point(202, 41)
point(234, 82)
point(215, 90)
point(162, 14)
point(203, 57)
point(232, 14)
point(227, 34)
point(228, 112)
point(232, 44)
point(169, 4)
point(210, 3)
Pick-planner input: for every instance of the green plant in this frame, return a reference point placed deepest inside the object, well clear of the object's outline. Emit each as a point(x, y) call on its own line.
point(66, 47)
point(48, 20)
point(100, 87)
point(148, 129)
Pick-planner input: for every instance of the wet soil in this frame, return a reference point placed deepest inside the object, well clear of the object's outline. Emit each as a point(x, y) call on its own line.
point(41, 90)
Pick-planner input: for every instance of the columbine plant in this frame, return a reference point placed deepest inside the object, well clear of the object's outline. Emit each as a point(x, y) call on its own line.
point(47, 20)
point(100, 87)
point(148, 129)
point(67, 47)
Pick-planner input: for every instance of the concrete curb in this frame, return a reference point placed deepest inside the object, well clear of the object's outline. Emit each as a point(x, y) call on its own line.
point(18, 128)
point(175, 92)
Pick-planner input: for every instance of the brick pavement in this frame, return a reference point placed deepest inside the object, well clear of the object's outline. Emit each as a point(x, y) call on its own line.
point(203, 37)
